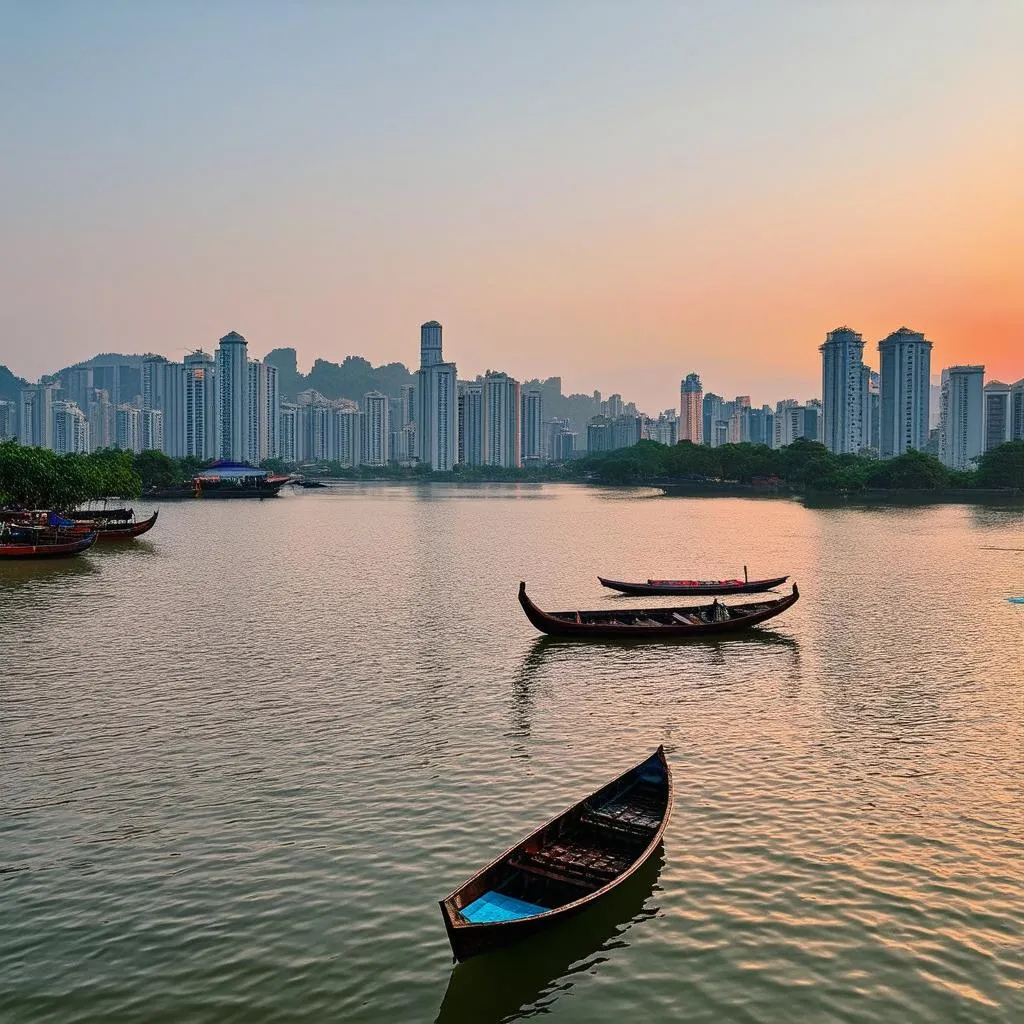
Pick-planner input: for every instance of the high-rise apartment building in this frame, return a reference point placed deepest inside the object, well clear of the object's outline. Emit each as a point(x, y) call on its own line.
point(375, 424)
point(1017, 411)
point(288, 449)
point(200, 406)
point(128, 428)
point(347, 440)
point(436, 402)
point(790, 422)
point(502, 412)
point(691, 409)
point(905, 358)
point(151, 428)
point(163, 388)
point(715, 428)
point(100, 411)
point(70, 429)
point(666, 428)
point(870, 413)
point(997, 419)
point(8, 420)
point(842, 388)
point(264, 412)
point(961, 415)
point(233, 398)
point(471, 424)
point(762, 426)
point(37, 415)
point(531, 420)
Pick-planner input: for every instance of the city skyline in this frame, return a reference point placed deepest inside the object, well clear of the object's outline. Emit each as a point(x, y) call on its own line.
point(655, 193)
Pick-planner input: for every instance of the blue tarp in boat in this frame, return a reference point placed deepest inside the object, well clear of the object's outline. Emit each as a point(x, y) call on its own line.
point(494, 906)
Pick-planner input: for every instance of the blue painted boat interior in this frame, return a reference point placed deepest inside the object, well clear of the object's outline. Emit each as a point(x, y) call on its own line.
point(494, 906)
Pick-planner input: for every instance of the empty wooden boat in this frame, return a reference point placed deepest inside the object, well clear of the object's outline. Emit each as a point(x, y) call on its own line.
point(656, 623)
point(694, 588)
point(564, 866)
point(22, 547)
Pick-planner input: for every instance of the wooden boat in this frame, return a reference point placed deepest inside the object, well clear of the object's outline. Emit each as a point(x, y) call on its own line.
point(40, 547)
point(116, 529)
point(564, 866)
point(694, 588)
point(656, 623)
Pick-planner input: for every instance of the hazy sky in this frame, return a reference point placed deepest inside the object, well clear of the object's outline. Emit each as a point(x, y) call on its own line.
point(617, 192)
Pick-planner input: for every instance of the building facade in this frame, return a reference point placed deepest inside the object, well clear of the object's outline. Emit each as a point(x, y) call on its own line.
point(200, 406)
point(233, 398)
point(531, 419)
point(436, 403)
point(1017, 411)
point(502, 421)
point(8, 420)
point(163, 388)
point(842, 390)
point(375, 425)
point(70, 429)
point(961, 416)
point(997, 418)
point(37, 415)
point(691, 409)
point(905, 392)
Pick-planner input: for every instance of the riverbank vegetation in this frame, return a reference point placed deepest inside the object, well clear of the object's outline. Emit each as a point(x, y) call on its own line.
point(803, 466)
point(40, 478)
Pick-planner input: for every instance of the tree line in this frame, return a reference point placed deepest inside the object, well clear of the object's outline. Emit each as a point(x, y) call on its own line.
point(805, 465)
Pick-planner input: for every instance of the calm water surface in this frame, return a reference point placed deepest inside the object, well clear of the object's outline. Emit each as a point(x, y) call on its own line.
point(241, 760)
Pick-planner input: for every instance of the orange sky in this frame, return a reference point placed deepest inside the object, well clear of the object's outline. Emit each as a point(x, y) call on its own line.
point(620, 196)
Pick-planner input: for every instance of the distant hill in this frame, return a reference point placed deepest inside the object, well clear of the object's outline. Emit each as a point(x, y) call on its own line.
point(352, 378)
point(10, 386)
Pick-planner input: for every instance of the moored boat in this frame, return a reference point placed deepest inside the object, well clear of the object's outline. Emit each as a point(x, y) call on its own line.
point(693, 588)
point(655, 623)
point(41, 546)
point(564, 866)
point(111, 528)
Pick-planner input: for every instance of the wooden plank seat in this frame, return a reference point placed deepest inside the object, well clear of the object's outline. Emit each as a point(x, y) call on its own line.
point(578, 859)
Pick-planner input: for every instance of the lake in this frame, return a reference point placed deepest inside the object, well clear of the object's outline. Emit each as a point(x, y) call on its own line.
point(241, 760)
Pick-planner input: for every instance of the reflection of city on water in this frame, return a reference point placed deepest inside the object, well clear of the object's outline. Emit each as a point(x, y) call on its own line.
point(494, 986)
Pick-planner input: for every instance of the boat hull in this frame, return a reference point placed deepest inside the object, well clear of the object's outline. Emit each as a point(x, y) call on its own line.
point(719, 588)
point(120, 531)
point(603, 629)
point(470, 939)
point(68, 549)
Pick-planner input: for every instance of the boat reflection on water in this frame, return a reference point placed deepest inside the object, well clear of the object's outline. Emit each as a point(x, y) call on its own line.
point(46, 572)
point(530, 974)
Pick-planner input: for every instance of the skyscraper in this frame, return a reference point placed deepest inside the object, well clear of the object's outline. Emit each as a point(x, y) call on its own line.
point(471, 429)
point(905, 358)
point(375, 424)
point(961, 415)
point(70, 429)
point(691, 409)
point(163, 388)
point(288, 449)
point(843, 384)
point(502, 414)
point(347, 441)
point(997, 418)
point(264, 412)
point(233, 398)
point(869, 383)
point(712, 408)
point(436, 401)
point(151, 430)
point(128, 428)
point(101, 420)
point(531, 420)
point(1017, 411)
point(200, 406)
point(37, 415)
point(8, 420)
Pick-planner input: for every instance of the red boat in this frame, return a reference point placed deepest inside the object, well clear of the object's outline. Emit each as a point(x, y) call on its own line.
point(41, 547)
point(110, 529)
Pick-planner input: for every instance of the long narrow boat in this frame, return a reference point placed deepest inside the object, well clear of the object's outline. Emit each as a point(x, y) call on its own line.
point(656, 623)
point(564, 866)
point(694, 588)
point(117, 530)
point(39, 548)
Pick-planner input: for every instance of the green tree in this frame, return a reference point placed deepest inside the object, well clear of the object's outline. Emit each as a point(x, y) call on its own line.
point(1002, 466)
